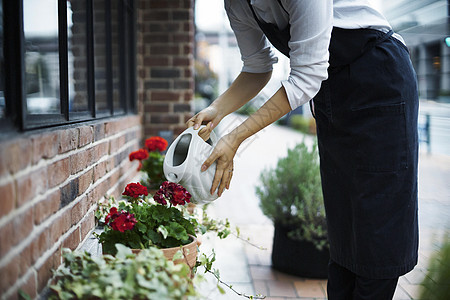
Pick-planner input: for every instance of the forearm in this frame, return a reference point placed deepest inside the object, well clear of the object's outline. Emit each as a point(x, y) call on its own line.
point(276, 107)
point(244, 88)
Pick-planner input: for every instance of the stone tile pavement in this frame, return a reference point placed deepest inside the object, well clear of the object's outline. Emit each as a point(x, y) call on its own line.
point(248, 268)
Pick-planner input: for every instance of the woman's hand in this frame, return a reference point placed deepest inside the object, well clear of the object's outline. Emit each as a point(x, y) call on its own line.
point(223, 154)
point(209, 117)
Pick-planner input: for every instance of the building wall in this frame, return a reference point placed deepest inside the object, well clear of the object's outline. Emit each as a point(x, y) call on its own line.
point(424, 26)
point(50, 183)
point(52, 179)
point(165, 63)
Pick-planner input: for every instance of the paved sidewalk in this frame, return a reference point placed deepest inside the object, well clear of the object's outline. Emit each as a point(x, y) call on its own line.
point(248, 268)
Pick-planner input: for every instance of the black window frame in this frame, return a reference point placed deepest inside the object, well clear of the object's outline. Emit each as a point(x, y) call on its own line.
point(16, 116)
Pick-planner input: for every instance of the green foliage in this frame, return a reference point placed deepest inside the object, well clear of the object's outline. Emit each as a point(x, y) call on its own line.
point(436, 285)
point(153, 169)
point(291, 194)
point(300, 123)
point(148, 275)
point(158, 225)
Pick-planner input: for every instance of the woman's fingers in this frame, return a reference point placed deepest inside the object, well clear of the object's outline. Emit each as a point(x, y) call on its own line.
point(205, 132)
point(195, 121)
point(225, 181)
point(223, 155)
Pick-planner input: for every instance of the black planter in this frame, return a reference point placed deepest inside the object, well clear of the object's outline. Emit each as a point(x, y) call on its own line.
point(299, 258)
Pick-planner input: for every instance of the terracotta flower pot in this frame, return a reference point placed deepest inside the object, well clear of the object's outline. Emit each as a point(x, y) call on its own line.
point(189, 253)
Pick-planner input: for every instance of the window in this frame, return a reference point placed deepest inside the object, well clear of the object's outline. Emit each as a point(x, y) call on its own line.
point(66, 61)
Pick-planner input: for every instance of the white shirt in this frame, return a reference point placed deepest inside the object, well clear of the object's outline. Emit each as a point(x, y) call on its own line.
point(311, 23)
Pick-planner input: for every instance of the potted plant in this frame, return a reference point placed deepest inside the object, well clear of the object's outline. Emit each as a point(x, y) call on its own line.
point(151, 159)
point(141, 222)
point(291, 195)
point(147, 275)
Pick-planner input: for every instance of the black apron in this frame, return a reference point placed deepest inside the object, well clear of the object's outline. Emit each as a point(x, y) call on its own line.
point(366, 115)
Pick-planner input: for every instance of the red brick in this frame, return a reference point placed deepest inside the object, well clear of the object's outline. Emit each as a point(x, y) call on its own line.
point(68, 140)
point(99, 170)
point(29, 286)
point(156, 61)
point(181, 61)
point(58, 172)
point(26, 260)
point(79, 161)
point(110, 128)
point(157, 107)
point(99, 132)
point(8, 198)
point(73, 240)
point(86, 136)
point(23, 225)
point(164, 96)
point(87, 225)
point(46, 207)
point(116, 144)
point(45, 146)
point(40, 244)
point(6, 238)
point(30, 185)
point(103, 149)
point(60, 226)
point(10, 274)
point(44, 272)
point(165, 118)
point(84, 181)
point(110, 164)
point(77, 211)
point(17, 155)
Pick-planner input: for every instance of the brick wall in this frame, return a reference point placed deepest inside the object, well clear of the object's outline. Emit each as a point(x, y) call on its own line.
point(50, 183)
point(51, 180)
point(165, 63)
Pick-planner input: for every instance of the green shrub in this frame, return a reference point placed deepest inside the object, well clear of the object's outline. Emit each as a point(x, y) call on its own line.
point(300, 123)
point(291, 194)
point(436, 285)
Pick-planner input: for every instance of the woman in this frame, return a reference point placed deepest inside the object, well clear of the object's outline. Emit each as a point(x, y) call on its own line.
point(344, 56)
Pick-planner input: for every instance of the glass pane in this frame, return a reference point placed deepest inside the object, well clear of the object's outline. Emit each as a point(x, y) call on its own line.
point(100, 57)
point(2, 66)
point(77, 56)
point(115, 45)
point(40, 20)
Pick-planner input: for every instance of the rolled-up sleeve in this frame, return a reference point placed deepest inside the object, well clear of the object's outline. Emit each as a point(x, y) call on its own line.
point(311, 25)
point(256, 51)
point(311, 22)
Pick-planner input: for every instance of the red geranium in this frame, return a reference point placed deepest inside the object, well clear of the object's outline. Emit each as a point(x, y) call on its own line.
point(135, 190)
point(140, 155)
point(156, 143)
point(173, 192)
point(120, 221)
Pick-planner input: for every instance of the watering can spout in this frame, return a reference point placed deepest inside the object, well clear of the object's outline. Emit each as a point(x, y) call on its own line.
point(182, 164)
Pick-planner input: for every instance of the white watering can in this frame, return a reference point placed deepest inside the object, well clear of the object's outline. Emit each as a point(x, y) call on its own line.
point(183, 161)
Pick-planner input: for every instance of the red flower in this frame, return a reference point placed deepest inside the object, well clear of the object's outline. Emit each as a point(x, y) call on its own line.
point(140, 154)
point(135, 190)
point(120, 221)
point(112, 214)
point(124, 221)
point(173, 192)
point(156, 143)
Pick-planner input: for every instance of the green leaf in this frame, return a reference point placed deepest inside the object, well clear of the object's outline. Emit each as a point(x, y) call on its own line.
point(123, 251)
point(163, 230)
point(178, 255)
point(221, 290)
